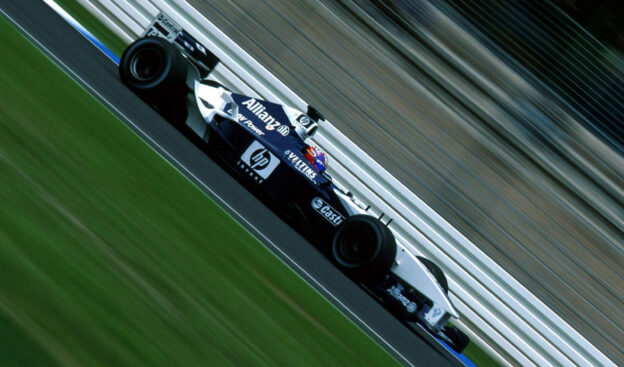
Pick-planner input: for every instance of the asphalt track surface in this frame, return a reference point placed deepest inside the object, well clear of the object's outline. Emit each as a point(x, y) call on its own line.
point(98, 75)
point(386, 102)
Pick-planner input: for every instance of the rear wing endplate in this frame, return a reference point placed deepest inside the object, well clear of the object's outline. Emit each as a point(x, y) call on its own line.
point(163, 26)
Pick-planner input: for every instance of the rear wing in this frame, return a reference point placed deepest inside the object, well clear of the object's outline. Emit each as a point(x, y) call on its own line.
point(164, 27)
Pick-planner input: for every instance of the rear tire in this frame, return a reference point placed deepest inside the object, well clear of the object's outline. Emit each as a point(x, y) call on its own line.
point(156, 71)
point(364, 248)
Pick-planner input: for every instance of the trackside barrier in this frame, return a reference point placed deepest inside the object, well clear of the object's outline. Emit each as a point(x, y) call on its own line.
point(498, 313)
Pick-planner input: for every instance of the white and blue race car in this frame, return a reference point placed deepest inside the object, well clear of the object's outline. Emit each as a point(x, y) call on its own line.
point(264, 145)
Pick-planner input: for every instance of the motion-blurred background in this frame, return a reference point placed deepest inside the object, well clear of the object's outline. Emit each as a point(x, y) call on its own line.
point(504, 116)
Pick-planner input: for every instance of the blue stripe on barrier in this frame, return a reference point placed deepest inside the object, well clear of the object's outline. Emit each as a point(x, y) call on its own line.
point(69, 19)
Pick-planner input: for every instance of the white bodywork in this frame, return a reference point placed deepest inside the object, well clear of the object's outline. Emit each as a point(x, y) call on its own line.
point(212, 101)
point(412, 271)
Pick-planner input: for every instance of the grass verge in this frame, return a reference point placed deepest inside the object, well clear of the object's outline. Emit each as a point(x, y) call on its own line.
point(108, 256)
point(479, 357)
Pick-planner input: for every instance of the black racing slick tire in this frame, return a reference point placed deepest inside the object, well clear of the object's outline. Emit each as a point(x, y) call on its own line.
point(459, 340)
point(438, 274)
point(151, 66)
point(364, 248)
point(156, 71)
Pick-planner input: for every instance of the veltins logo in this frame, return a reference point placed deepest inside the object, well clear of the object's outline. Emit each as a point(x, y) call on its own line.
point(258, 162)
point(329, 213)
point(301, 165)
point(317, 203)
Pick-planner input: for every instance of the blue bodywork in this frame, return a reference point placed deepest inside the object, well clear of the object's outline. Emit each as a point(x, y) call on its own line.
point(263, 148)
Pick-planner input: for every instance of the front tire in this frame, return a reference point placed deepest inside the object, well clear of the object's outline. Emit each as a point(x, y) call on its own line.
point(364, 248)
point(459, 340)
point(438, 274)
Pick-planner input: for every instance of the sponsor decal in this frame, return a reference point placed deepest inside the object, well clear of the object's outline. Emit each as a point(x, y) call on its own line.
point(165, 21)
point(303, 120)
point(326, 210)
point(284, 130)
point(317, 203)
point(245, 121)
point(259, 110)
point(396, 292)
point(165, 27)
point(258, 162)
point(301, 165)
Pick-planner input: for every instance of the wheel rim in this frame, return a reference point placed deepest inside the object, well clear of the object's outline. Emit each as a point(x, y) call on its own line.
point(146, 65)
point(357, 246)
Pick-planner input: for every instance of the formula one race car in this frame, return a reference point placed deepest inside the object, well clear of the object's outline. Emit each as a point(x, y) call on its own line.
point(264, 145)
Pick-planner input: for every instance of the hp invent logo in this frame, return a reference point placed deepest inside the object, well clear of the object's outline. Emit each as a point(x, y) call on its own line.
point(260, 159)
point(258, 162)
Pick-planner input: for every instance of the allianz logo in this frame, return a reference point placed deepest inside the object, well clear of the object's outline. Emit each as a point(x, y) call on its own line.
point(329, 213)
point(259, 110)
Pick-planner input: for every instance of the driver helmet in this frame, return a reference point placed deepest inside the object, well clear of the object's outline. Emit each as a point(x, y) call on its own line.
point(316, 158)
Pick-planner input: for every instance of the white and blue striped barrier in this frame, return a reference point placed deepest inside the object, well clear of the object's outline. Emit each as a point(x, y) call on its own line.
point(498, 313)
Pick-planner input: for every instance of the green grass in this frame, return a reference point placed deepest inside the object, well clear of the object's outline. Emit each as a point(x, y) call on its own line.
point(91, 23)
point(479, 357)
point(108, 256)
